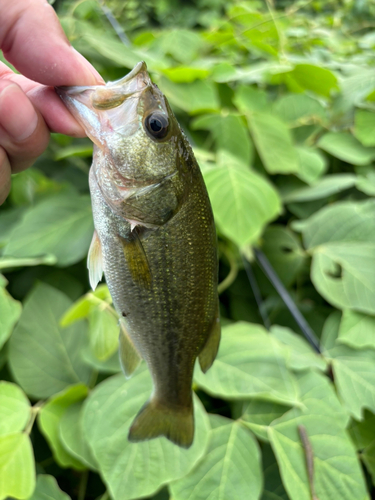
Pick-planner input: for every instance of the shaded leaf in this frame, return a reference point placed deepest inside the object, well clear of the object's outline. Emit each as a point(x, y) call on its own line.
point(357, 330)
point(48, 489)
point(258, 416)
point(312, 164)
point(327, 186)
point(43, 357)
point(364, 127)
point(346, 147)
point(10, 311)
point(192, 97)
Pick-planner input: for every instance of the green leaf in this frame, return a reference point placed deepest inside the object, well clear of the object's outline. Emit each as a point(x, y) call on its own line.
point(194, 97)
point(49, 419)
point(312, 164)
point(10, 311)
point(346, 147)
point(103, 331)
point(329, 185)
point(356, 87)
point(113, 50)
point(315, 78)
point(230, 469)
point(345, 221)
point(60, 225)
point(82, 150)
point(368, 457)
point(250, 363)
point(229, 133)
point(82, 307)
point(108, 413)
point(111, 365)
point(299, 109)
point(43, 357)
point(300, 353)
point(72, 438)
point(363, 433)
point(284, 252)
point(344, 274)
point(366, 183)
point(248, 99)
point(364, 126)
point(337, 472)
point(17, 466)
point(274, 143)
point(242, 201)
point(184, 45)
point(12, 262)
point(357, 330)
point(14, 408)
point(186, 74)
point(258, 416)
point(48, 489)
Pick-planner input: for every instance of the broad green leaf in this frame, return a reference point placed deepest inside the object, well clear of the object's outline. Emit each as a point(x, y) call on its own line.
point(356, 87)
point(81, 308)
point(14, 408)
point(194, 97)
point(357, 330)
point(327, 186)
point(230, 133)
point(111, 365)
point(249, 99)
point(364, 126)
point(186, 74)
point(312, 164)
point(49, 419)
point(346, 147)
point(43, 357)
point(60, 225)
point(72, 438)
point(315, 78)
point(103, 331)
point(230, 469)
point(366, 183)
point(242, 200)
point(274, 143)
point(250, 363)
point(299, 109)
point(8, 220)
point(184, 45)
point(337, 472)
point(284, 252)
point(10, 311)
point(112, 49)
point(133, 470)
point(82, 150)
point(343, 221)
point(273, 486)
point(363, 433)
point(258, 415)
point(344, 274)
point(48, 489)
point(17, 467)
point(12, 262)
point(300, 353)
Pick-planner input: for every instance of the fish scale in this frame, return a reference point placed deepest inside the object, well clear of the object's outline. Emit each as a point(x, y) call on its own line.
point(155, 240)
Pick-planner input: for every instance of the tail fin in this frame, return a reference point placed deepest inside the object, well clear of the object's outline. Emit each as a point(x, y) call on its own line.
point(157, 419)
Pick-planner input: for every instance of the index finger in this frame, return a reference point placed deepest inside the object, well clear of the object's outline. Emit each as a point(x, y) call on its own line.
point(33, 40)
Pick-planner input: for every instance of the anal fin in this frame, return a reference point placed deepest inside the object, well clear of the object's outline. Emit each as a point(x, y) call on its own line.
point(209, 351)
point(95, 261)
point(137, 260)
point(129, 357)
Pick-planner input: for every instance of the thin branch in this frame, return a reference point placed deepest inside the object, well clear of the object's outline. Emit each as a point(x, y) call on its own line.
point(309, 455)
point(287, 299)
point(256, 292)
point(115, 24)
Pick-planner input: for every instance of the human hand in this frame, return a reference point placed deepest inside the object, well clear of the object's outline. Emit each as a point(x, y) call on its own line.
point(33, 41)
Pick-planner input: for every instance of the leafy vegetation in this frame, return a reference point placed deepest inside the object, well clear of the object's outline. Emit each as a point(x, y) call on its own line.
point(277, 99)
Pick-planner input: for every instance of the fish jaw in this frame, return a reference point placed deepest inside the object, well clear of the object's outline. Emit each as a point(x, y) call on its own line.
point(104, 109)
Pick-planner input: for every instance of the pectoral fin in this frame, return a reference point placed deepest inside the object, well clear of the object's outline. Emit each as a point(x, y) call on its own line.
point(95, 261)
point(137, 260)
point(209, 351)
point(129, 357)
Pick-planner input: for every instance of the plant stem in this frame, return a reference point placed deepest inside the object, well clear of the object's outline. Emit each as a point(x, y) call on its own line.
point(232, 275)
point(256, 292)
point(83, 485)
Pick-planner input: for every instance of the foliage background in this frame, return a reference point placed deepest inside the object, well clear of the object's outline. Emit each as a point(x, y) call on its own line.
point(278, 102)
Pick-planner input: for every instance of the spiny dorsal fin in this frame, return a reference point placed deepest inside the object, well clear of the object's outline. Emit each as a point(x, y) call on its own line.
point(137, 260)
point(95, 261)
point(129, 357)
point(209, 351)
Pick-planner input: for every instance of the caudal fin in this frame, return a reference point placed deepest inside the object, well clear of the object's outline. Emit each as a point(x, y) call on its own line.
point(157, 419)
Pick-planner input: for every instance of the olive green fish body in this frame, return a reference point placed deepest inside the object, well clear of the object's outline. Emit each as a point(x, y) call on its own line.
point(155, 240)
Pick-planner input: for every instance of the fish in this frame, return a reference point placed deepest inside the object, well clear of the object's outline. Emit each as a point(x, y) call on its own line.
point(154, 240)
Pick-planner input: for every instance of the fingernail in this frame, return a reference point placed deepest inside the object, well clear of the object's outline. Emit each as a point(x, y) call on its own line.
point(98, 79)
point(17, 115)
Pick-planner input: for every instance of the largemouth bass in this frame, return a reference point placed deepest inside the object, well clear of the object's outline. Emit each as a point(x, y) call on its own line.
point(155, 241)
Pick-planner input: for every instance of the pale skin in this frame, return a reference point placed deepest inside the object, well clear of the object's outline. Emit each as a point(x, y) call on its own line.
point(33, 41)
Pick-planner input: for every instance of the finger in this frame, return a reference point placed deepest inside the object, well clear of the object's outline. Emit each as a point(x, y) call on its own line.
point(33, 41)
point(23, 132)
point(45, 100)
point(5, 172)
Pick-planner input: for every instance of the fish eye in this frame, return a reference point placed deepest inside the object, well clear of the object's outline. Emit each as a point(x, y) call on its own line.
point(157, 125)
